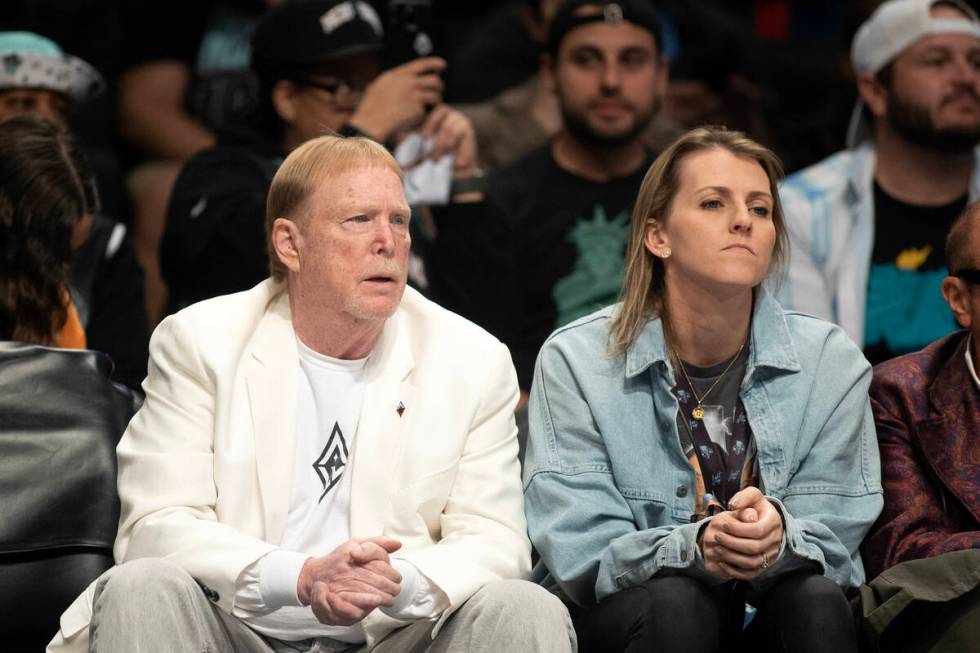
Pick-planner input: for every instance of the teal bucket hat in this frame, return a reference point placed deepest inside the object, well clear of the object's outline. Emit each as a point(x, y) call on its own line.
point(28, 60)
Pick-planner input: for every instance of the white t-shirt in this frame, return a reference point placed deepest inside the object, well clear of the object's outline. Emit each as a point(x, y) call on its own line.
point(330, 393)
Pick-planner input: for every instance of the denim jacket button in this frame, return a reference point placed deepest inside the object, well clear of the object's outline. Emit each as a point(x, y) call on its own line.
point(682, 491)
point(684, 556)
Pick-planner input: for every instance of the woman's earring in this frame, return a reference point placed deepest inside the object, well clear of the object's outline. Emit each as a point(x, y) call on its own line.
point(665, 252)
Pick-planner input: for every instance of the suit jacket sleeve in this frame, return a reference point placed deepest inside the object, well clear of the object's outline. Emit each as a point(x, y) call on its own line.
point(166, 478)
point(915, 522)
point(484, 533)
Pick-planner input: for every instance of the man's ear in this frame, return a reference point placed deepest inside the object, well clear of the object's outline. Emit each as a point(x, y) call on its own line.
point(284, 100)
point(655, 239)
point(874, 94)
point(286, 241)
point(956, 295)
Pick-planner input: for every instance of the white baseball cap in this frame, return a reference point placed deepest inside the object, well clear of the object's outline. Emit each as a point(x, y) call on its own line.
point(892, 28)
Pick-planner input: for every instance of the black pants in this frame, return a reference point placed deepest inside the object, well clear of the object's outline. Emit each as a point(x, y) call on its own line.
point(802, 613)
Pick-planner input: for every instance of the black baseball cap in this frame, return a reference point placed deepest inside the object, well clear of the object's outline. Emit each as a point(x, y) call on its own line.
point(638, 12)
point(302, 33)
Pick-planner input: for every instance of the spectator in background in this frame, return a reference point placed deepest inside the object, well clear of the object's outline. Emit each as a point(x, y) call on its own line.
point(527, 116)
point(185, 75)
point(567, 204)
point(868, 224)
point(927, 412)
point(38, 79)
point(319, 70)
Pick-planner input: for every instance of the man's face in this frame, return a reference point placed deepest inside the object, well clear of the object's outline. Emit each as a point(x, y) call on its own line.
point(37, 102)
point(963, 296)
point(610, 81)
point(334, 92)
point(933, 99)
point(353, 247)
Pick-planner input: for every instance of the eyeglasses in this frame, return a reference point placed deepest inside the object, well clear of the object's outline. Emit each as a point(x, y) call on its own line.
point(340, 91)
point(969, 275)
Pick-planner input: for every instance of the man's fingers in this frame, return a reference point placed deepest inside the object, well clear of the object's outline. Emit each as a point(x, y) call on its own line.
point(367, 551)
point(373, 581)
point(346, 610)
point(383, 569)
point(433, 121)
point(367, 600)
point(389, 545)
point(424, 65)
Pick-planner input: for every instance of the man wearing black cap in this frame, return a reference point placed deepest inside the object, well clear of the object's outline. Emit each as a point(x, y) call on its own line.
point(568, 203)
point(319, 70)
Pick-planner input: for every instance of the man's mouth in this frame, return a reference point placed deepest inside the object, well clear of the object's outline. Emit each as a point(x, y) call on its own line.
point(964, 99)
point(607, 108)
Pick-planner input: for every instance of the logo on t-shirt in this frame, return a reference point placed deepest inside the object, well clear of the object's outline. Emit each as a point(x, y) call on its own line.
point(598, 274)
point(332, 462)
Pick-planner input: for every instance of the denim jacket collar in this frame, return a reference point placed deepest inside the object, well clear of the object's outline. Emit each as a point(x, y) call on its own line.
point(771, 344)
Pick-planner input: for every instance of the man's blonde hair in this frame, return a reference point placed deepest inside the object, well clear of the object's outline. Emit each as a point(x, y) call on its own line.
point(305, 168)
point(644, 293)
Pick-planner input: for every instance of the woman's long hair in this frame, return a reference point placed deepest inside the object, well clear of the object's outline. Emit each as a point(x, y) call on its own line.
point(644, 292)
point(45, 190)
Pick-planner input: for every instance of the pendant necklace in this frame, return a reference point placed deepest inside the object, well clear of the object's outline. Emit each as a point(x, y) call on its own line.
point(698, 411)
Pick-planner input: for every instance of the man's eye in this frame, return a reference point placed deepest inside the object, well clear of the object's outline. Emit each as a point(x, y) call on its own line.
point(635, 59)
point(585, 60)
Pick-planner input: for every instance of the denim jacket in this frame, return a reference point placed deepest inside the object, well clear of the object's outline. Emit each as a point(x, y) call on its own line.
point(829, 209)
point(609, 494)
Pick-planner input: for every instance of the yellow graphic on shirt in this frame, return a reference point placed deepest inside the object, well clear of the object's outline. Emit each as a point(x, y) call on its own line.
point(912, 258)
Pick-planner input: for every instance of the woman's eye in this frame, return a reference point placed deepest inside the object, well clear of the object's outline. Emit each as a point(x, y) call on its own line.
point(761, 211)
point(710, 204)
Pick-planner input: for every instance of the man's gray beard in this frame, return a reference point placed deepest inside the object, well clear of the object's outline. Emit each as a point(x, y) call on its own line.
point(581, 131)
point(913, 123)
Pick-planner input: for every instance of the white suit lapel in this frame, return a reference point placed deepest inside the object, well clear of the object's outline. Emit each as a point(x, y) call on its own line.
point(272, 398)
point(380, 432)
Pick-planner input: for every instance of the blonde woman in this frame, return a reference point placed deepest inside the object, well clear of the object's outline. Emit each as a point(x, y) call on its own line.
point(695, 447)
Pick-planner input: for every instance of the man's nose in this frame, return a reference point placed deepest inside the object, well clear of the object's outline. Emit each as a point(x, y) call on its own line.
point(384, 237)
point(612, 77)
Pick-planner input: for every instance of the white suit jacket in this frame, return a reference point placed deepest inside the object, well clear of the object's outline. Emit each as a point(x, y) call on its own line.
point(205, 467)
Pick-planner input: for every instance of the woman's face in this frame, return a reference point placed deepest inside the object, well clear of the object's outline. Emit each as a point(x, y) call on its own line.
point(719, 230)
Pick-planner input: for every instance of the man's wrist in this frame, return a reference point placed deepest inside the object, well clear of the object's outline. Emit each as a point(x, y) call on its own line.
point(304, 585)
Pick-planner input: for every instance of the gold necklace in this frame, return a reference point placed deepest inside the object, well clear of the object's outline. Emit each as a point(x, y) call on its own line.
point(698, 411)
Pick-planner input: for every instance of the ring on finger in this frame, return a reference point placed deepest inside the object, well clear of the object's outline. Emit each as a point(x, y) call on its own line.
point(765, 560)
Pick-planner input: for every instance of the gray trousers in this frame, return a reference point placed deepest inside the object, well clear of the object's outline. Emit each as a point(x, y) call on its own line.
point(153, 605)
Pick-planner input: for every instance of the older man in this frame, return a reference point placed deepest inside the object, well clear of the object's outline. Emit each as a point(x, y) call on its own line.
point(327, 461)
point(926, 544)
